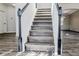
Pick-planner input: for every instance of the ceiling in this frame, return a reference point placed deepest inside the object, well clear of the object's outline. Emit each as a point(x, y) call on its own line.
point(10, 4)
point(68, 8)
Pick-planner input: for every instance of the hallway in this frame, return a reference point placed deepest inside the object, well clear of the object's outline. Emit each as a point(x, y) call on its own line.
point(70, 43)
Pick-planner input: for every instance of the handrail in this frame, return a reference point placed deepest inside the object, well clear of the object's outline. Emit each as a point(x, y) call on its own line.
point(59, 27)
point(19, 13)
point(23, 9)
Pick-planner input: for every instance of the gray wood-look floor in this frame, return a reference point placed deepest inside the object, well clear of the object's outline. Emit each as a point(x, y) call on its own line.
point(70, 43)
point(8, 45)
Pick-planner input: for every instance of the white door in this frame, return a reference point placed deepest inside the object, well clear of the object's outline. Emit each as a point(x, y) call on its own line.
point(5, 27)
point(3, 22)
point(11, 20)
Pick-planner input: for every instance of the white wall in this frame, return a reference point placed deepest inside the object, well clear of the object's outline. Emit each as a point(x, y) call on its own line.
point(44, 5)
point(2, 7)
point(7, 14)
point(26, 22)
point(66, 23)
point(71, 22)
point(74, 23)
point(2, 16)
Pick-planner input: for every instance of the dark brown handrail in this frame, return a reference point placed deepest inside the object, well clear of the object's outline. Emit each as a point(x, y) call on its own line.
point(24, 8)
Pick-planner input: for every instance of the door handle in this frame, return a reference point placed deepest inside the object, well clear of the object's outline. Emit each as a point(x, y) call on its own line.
point(4, 23)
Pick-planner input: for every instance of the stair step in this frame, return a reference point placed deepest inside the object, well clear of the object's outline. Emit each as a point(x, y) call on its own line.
point(43, 13)
point(41, 27)
point(41, 33)
point(41, 39)
point(39, 46)
point(40, 21)
point(43, 18)
point(44, 9)
point(39, 15)
point(41, 30)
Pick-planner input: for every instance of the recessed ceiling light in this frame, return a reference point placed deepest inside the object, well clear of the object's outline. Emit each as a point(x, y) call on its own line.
point(13, 4)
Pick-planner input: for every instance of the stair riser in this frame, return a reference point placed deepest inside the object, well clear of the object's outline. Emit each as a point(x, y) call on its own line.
point(42, 28)
point(41, 40)
point(43, 11)
point(43, 16)
point(41, 34)
point(39, 18)
point(43, 20)
point(42, 23)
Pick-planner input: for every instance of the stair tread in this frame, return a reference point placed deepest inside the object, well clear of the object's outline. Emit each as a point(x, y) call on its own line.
point(39, 15)
point(41, 36)
point(43, 17)
point(39, 47)
point(42, 20)
point(44, 8)
point(42, 25)
point(43, 12)
point(41, 30)
point(41, 39)
point(40, 44)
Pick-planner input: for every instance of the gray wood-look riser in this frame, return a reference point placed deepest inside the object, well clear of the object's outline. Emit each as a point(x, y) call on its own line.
point(41, 27)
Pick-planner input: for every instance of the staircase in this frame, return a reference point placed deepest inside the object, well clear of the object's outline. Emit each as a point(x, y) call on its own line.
point(41, 36)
